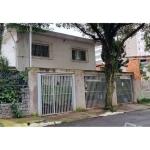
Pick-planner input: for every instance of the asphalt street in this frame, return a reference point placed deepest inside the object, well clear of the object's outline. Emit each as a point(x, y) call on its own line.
point(137, 118)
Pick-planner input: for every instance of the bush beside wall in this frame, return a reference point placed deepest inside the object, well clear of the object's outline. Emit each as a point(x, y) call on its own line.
point(6, 111)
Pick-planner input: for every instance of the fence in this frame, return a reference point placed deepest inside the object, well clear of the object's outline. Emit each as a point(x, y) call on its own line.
point(24, 106)
point(142, 89)
point(11, 82)
point(13, 86)
point(18, 77)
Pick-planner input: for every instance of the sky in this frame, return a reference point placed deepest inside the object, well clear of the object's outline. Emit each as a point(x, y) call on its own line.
point(66, 31)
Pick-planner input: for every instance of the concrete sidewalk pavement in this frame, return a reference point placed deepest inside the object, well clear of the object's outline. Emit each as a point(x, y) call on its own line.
point(35, 121)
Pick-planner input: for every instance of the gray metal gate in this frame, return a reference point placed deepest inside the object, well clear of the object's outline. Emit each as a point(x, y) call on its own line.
point(124, 89)
point(55, 93)
point(95, 90)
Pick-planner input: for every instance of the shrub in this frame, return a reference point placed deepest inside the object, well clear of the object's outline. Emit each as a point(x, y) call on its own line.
point(143, 100)
point(4, 64)
point(17, 112)
point(80, 110)
point(11, 82)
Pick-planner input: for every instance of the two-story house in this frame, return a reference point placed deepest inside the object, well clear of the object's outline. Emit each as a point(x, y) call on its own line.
point(49, 50)
point(56, 81)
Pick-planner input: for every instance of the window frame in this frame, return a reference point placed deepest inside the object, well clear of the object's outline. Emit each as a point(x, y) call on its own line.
point(80, 49)
point(50, 49)
point(40, 50)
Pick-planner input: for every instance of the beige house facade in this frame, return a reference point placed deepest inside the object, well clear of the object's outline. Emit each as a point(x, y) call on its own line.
point(60, 51)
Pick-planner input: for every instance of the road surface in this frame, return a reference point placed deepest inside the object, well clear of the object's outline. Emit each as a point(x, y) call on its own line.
point(137, 118)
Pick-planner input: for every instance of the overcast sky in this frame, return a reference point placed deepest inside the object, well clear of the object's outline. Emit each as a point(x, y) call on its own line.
point(66, 31)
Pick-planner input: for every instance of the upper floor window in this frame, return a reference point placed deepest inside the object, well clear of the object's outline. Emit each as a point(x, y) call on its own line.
point(78, 54)
point(40, 50)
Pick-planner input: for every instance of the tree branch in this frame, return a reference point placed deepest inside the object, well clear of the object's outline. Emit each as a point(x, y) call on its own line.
point(101, 37)
point(141, 26)
point(82, 30)
point(118, 26)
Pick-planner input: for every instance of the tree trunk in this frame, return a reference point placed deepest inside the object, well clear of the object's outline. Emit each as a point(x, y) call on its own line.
point(110, 55)
point(110, 86)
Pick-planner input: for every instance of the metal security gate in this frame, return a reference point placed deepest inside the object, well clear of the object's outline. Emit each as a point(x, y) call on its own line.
point(95, 90)
point(55, 93)
point(124, 89)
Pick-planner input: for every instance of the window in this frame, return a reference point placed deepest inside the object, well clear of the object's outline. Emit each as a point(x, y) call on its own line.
point(40, 50)
point(78, 54)
point(143, 60)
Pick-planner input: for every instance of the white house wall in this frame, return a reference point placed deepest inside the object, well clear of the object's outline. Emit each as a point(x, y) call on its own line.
point(61, 53)
point(8, 46)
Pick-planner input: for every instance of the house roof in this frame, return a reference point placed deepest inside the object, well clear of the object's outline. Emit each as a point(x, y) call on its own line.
point(102, 65)
point(66, 36)
point(138, 57)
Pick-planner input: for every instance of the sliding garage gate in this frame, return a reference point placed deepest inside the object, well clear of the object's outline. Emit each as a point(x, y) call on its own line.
point(124, 89)
point(95, 90)
point(55, 93)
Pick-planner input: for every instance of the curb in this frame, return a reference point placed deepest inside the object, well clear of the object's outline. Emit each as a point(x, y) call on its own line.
point(44, 123)
point(41, 124)
point(6, 123)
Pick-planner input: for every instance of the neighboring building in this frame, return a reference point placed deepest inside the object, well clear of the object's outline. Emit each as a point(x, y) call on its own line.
point(98, 50)
point(49, 50)
point(100, 67)
point(99, 62)
point(134, 65)
point(135, 49)
point(135, 46)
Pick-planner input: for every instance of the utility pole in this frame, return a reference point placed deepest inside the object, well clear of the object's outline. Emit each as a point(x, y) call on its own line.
point(30, 46)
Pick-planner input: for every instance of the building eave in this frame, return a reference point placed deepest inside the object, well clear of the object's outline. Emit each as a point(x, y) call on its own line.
point(66, 37)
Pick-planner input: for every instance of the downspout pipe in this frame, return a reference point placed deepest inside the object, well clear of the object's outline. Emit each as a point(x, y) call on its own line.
point(30, 46)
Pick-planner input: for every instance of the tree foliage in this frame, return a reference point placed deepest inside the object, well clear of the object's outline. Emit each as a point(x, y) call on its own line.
point(1, 35)
point(143, 71)
point(4, 64)
point(24, 27)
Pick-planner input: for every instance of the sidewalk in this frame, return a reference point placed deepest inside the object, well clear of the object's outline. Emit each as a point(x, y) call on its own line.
point(70, 116)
